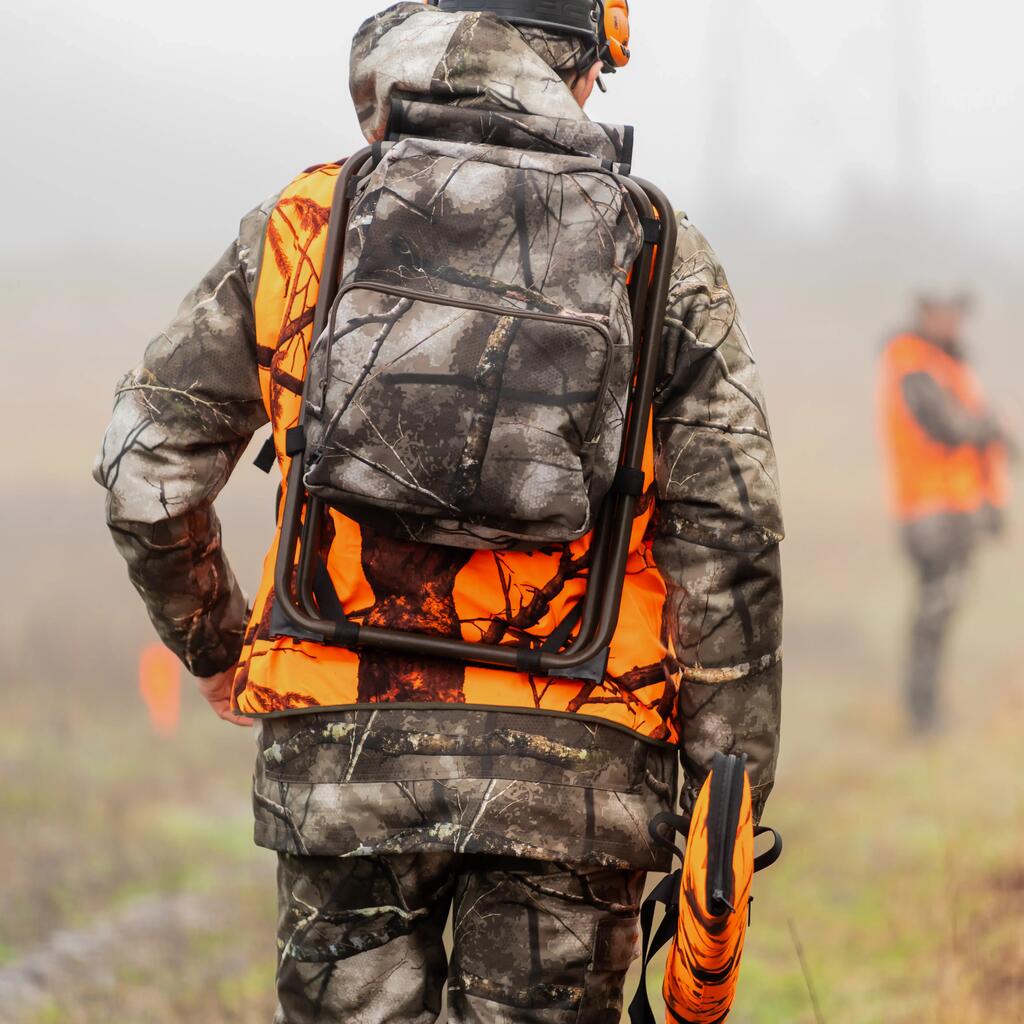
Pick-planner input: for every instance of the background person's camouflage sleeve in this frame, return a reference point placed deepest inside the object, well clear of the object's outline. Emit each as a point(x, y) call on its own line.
point(719, 526)
point(181, 421)
point(943, 417)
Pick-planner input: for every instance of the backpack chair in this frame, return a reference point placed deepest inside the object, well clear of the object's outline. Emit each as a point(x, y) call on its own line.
point(706, 903)
point(483, 364)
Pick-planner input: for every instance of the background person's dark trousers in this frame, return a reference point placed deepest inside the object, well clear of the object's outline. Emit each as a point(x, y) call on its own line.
point(941, 548)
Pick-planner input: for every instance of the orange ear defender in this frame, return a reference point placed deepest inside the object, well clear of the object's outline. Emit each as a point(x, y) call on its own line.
point(615, 34)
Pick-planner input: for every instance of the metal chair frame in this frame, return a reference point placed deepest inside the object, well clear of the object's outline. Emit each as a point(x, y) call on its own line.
point(584, 657)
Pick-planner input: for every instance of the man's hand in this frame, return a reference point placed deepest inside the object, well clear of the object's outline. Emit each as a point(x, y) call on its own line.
point(217, 691)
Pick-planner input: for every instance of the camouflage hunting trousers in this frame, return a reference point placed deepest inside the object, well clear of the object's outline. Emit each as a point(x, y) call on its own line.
point(941, 548)
point(360, 940)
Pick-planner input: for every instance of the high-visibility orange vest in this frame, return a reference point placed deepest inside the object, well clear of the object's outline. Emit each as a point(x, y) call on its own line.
point(928, 477)
point(480, 595)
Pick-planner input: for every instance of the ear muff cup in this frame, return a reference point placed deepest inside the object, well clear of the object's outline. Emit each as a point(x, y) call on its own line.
point(615, 33)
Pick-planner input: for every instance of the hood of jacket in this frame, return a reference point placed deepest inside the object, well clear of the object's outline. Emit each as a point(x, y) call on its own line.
point(412, 51)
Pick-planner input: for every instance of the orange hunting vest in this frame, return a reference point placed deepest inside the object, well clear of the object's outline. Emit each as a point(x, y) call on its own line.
point(480, 595)
point(929, 477)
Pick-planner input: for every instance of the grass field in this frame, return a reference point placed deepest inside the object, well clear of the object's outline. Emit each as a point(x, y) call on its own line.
point(130, 891)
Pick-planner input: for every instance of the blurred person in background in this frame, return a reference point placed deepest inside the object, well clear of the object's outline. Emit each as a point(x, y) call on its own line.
point(394, 788)
point(947, 455)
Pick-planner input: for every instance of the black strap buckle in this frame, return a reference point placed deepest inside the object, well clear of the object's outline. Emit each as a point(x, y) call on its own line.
point(295, 441)
point(267, 456)
point(652, 230)
point(630, 482)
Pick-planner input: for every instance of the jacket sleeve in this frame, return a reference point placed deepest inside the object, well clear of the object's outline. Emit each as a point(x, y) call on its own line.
point(181, 421)
point(719, 527)
point(943, 418)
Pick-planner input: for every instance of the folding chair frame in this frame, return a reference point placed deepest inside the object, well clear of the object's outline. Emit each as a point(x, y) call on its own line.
point(584, 657)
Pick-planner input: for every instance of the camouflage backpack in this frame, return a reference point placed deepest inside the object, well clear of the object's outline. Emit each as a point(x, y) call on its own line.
point(472, 382)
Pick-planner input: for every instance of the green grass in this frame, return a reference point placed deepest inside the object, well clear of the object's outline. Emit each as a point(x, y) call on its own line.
point(904, 864)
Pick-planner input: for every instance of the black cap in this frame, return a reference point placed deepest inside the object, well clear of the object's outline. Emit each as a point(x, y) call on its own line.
point(573, 17)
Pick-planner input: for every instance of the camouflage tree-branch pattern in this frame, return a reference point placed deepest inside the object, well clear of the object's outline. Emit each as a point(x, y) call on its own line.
point(394, 780)
point(472, 60)
point(567, 56)
point(361, 939)
point(719, 526)
point(410, 586)
point(526, 132)
point(471, 385)
point(181, 421)
point(713, 672)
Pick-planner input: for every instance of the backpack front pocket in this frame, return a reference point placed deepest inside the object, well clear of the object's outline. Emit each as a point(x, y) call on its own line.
point(462, 412)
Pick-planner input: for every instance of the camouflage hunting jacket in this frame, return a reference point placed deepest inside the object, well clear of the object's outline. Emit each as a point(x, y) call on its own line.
point(540, 780)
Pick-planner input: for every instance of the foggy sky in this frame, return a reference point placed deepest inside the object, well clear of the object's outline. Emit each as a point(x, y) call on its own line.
point(121, 116)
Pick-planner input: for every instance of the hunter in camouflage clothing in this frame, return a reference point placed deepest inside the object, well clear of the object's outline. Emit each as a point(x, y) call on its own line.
point(525, 814)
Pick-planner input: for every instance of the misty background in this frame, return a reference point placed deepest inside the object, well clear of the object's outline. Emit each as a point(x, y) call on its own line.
point(838, 156)
point(876, 142)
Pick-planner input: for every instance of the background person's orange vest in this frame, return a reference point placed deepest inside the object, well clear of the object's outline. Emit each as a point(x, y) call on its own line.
point(927, 476)
point(501, 596)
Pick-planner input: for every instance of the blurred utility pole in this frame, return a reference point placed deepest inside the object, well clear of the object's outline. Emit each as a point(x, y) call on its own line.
point(724, 81)
point(910, 86)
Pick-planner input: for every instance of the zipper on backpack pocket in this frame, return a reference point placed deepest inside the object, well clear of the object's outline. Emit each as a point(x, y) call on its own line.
point(393, 291)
